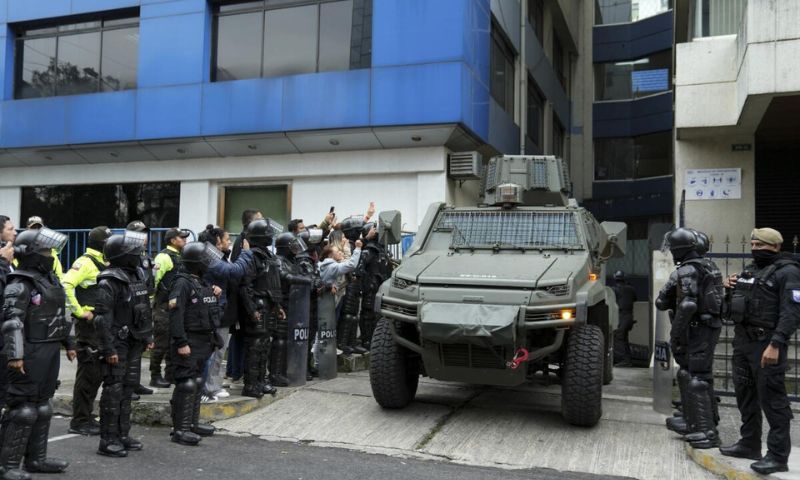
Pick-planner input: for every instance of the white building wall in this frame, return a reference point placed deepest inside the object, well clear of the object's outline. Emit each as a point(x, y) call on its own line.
point(10, 204)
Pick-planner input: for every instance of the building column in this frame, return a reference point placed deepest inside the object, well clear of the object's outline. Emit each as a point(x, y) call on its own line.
point(11, 200)
point(197, 205)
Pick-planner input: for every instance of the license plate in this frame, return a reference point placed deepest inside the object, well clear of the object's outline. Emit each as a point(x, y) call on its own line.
point(661, 352)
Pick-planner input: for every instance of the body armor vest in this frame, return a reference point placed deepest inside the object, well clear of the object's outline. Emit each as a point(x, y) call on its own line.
point(710, 289)
point(202, 310)
point(756, 297)
point(142, 321)
point(165, 285)
point(46, 319)
point(84, 330)
point(266, 291)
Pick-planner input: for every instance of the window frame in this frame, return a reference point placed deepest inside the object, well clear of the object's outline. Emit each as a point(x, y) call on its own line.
point(53, 29)
point(263, 7)
point(636, 158)
point(498, 37)
point(535, 93)
point(536, 18)
point(601, 75)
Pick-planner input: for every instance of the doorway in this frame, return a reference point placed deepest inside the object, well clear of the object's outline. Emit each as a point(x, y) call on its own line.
point(272, 200)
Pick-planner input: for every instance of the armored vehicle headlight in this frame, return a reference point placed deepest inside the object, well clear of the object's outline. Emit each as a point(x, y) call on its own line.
point(509, 193)
point(567, 314)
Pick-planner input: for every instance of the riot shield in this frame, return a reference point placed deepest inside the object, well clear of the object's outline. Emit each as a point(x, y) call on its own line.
point(326, 336)
point(297, 335)
point(662, 365)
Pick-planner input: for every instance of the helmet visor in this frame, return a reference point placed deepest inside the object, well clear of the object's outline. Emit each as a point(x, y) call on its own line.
point(49, 239)
point(132, 240)
point(297, 246)
point(314, 236)
point(211, 256)
point(276, 227)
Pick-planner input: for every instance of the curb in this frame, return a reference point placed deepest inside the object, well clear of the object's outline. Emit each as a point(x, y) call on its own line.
point(714, 464)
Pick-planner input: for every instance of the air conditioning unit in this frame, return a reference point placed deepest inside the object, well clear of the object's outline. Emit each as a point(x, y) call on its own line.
point(464, 166)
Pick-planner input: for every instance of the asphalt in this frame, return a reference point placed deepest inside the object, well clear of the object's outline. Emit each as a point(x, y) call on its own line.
point(230, 457)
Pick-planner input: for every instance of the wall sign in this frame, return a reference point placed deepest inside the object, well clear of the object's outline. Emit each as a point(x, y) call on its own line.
point(714, 184)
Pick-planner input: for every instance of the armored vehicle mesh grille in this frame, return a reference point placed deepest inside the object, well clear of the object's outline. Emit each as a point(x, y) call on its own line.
point(402, 309)
point(515, 229)
point(538, 173)
point(542, 316)
point(464, 355)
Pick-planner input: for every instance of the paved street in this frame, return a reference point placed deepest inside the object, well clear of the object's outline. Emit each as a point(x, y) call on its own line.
point(226, 456)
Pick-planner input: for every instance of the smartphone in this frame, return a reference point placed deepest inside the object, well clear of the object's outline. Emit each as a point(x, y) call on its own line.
point(331, 210)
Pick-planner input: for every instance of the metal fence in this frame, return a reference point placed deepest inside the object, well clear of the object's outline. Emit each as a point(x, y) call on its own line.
point(731, 256)
point(79, 237)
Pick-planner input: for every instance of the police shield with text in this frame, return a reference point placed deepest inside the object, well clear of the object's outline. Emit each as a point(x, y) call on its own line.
point(194, 316)
point(124, 327)
point(764, 304)
point(290, 344)
point(34, 328)
point(696, 295)
point(260, 297)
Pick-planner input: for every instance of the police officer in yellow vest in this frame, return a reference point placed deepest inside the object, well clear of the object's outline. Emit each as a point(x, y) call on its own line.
point(35, 223)
point(80, 285)
point(166, 267)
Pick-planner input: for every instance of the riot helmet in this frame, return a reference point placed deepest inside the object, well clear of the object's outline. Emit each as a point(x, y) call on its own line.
point(288, 245)
point(198, 257)
point(702, 242)
point(682, 243)
point(352, 227)
point(311, 236)
point(367, 227)
point(260, 232)
point(34, 248)
point(125, 250)
point(97, 238)
point(619, 276)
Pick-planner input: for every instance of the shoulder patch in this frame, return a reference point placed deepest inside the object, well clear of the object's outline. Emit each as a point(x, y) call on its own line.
point(173, 303)
point(796, 296)
point(77, 265)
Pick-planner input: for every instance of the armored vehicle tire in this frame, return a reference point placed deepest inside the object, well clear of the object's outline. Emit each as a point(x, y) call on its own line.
point(393, 374)
point(582, 385)
point(608, 366)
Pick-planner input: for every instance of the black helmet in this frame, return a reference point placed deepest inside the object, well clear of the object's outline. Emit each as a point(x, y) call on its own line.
point(198, 257)
point(681, 242)
point(97, 237)
point(125, 250)
point(288, 245)
point(367, 227)
point(260, 232)
point(33, 241)
point(619, 275)
point(351, 227)
point(311, 236)
point(702, 242)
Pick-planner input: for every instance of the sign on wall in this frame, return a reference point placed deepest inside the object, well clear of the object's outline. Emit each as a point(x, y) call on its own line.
point(714, 184)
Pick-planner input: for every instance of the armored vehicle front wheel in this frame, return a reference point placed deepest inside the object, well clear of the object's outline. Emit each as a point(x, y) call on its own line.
point(582, 386)
point(393, 371)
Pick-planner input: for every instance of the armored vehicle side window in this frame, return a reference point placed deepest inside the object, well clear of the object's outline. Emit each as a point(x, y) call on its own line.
point(511, 230)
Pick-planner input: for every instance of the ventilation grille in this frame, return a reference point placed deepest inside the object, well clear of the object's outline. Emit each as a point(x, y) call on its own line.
point(464, 355)
point(465, 166)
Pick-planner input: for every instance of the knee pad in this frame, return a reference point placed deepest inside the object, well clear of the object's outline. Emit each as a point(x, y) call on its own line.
point(44, 410)
point(684, 377)
point(24, 413)
point(187, 385)
point(698, 385)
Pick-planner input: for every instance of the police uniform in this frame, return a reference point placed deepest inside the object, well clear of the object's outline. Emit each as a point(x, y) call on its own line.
point(626, 297)
point(166, 267)
point(373, 269)
point(80, 286)
point(765, 308)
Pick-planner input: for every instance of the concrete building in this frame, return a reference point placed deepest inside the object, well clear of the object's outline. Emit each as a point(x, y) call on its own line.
point(737, 109)
point(187, 111)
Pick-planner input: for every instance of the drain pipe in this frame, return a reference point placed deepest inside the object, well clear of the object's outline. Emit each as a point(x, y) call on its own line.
point(523, 76)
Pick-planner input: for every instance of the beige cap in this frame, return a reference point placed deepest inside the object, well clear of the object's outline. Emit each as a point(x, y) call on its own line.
point(767, 235)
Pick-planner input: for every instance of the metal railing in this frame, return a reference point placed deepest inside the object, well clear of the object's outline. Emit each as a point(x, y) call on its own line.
point(731, 256)
point(79, 240)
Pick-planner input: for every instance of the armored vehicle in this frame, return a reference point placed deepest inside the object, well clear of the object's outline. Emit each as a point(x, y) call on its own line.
point(506, 292)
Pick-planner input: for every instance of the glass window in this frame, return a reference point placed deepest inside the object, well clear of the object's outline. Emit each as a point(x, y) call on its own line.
point(623, 11)
point(716, 17)
point(536, 18)
point(36, 68)
point(77, 58)
point(634, 157)
point(86, 206)
point(335, 28)
point(535, 114)
point(291, 37)
point(290, 41)
point(558, 138)
point(634, 79)
point(558, 62)
point(78, 63)
point(502, 80)
point(238, 45)
point(120, 58)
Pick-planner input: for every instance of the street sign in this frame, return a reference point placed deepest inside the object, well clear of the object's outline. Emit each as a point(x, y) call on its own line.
point(714, 184)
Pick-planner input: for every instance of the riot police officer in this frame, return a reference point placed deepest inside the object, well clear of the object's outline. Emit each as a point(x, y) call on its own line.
point(373, 269)
point(147, 269)
point(307, 262)
point(124, 329)
point(194, 317)
point(764, 304)
point(697, 302)
point(35, 325)
point(347, 328)
point(626, 297)
point(260, 297)
point(287, 247)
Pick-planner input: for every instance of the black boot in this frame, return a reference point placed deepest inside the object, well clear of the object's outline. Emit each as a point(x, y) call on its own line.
point(770, 464)
point(183, 411)
point(156, 380)
point(738, 450)
point(202, 429)
point(277, 363)
point(252, 378)
point(142, 390)
point(266, 386)
point(343, 334)
point(110, 407)
point(680, 424)
point(704, 431)
point(17, 426)
point(36, 460)
point(127, 441)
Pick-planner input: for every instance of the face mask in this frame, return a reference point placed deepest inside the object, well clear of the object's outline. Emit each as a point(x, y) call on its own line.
point(764, 257)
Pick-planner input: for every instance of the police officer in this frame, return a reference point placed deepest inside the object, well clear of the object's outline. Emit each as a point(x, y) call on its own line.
point(308, 263)
point(194, 316)
point(764, 304)
point(626, 297)
point(124, 329)
point(373, 269)
point(7, 236)
point(347, 327)
point(147, 269)
point(35, 223)
point(34, 328)
point(166, 267)
point(287, 247)
point(260, 297)
point(697, 322)
point(80, 286)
